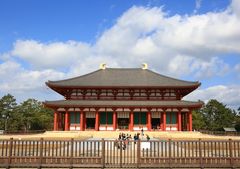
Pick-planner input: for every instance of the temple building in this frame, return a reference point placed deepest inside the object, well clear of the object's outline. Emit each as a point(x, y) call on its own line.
point(123, 99)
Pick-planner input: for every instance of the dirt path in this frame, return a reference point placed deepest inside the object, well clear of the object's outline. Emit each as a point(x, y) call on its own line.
point(114, 134)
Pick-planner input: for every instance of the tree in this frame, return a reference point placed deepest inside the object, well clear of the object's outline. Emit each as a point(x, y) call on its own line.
point(216, 115)
point(29, 115)
point(198, 120)
point(34, 116)
point(43, 120)
point(237, 126)
point(7, 107)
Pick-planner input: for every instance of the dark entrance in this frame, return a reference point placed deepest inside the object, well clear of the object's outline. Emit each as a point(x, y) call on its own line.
point(155, 123)
point(123, 123)
point(184, 121)
point(90, 123)
point(61, 121)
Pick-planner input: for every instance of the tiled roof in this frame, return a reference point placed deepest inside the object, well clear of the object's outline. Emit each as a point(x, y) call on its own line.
point(122, 77)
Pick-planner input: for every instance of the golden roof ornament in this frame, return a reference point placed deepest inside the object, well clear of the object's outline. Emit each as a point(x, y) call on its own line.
point(102, 66)
point(144, 66)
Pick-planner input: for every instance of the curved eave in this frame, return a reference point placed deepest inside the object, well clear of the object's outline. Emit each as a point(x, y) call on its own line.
point(55, 86)
point(61, 89)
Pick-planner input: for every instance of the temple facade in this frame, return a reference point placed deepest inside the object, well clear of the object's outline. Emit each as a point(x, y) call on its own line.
point(123, 99)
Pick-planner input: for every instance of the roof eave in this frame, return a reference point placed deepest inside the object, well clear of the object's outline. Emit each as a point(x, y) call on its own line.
point(87, 87)
point(197, 105)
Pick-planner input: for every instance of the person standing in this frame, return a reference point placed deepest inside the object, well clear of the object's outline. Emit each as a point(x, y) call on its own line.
point(147, 136)
point(142, 132)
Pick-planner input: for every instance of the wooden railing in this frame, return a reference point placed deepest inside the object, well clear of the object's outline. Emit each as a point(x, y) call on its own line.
point(109, 153)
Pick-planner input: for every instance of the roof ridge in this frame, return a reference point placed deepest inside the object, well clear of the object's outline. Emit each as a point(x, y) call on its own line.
point(125, 68)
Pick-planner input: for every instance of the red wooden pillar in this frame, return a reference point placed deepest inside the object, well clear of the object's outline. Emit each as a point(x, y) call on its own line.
point(97, 120)
point(66, 128)
point(82, 120)
point(190, 119)
point(161, 121)
point(149, 120)
point(164, 119)
point(55, 126)
point(131, 120)
point(114, 119)
point(179, 120)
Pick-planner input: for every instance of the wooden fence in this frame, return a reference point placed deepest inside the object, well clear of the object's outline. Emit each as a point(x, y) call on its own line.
point(109, 153)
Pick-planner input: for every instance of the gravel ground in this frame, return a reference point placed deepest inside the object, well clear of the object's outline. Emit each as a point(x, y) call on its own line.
point(114, 134)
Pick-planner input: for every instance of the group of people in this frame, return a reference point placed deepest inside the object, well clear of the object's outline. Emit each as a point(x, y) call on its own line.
point(136, 137)
point(123, 139)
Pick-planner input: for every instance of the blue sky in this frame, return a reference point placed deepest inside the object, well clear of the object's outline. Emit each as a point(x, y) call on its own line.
point(51, 40)
point(78, 20)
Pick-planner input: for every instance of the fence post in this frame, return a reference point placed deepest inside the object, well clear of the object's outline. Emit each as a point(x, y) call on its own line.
point(231, 153)
point(71, 159)
point(170, 153)
point(103, 153)
point(41, 154)
point(200, 153)
point(138, 153)
point(121, 154)
point(10, 154)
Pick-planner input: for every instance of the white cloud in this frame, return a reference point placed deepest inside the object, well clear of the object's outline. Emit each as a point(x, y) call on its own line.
point(197, 5)
point(172, 45)
point(235, 7)
point(144, 34)
point(49, 55)
point(237, 67)
point(202, 69)
point(24, 83)
point(227, 94)
point(237, 70)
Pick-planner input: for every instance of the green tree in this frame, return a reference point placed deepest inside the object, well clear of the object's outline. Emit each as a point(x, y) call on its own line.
point(29, 115)
point(7, 108)
point(34, 116)
point(216, 115)
point(43, 120)
point(198, 120)
point(237, 126)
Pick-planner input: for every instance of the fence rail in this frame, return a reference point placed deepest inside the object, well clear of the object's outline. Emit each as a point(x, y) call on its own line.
point(110, 153)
